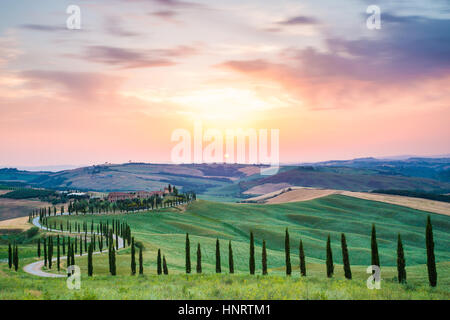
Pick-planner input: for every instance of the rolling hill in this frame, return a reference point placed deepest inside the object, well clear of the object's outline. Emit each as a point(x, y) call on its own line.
point(231, 182)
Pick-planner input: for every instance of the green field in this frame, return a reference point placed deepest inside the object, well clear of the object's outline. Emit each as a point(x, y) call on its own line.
point(311, 221)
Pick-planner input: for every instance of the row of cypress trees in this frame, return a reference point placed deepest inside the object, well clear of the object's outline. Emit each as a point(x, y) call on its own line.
point(160, 269)
point(13, 256)
point(375, 259)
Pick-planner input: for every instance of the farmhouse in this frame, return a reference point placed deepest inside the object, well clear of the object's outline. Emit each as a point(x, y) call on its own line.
point(116, 196)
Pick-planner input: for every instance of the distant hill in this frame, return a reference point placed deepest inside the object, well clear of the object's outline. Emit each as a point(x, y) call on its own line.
point(347, 179)
point(233, 181)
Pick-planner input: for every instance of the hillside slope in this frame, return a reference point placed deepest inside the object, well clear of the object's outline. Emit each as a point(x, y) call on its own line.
point(310, 221)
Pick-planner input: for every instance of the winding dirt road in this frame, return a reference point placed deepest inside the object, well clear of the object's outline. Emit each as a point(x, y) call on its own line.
point(35, 268)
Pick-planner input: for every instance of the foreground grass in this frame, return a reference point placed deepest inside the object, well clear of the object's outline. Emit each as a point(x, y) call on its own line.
point(240, 287)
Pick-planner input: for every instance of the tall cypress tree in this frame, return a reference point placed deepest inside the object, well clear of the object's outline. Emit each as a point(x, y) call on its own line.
point(39, 248)
point(374, 247)
point(218, 263)
point(81, 245)
point(110, 257)
point(90, 266)
point(302, 259)
point(166, 271)
point(431, 263)
point(16, 258)
point(252, 254)
point(69, 254)
point(10, 255)
point(133, 258)
point(330, 265)
point(113, 261)
point(141, 261)
point(345, 258)
point(199, 259)
point(287, 251)
point(158, 262)
point(264, 258)
point(73, 254)
point(401, 271)
point(69, 258)
point(230, 258)
point(50, 252)
point(63, 245)
point(188, 254)
point(45, 252)
point(58, 254)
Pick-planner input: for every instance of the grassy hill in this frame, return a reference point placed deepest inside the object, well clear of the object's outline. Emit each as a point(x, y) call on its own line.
point(205, 221)
point(311, 221)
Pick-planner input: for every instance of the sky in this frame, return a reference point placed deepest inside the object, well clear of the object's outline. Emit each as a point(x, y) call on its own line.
point(137, 70)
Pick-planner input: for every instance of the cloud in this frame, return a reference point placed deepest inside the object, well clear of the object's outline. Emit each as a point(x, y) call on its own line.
point(177, 3)
point(130, 59)
point(165, 14)
point(72, 85)
point(124, 58)
point(391, 65)
point(299, 20)
point(114, 26)
point(8, 50)
point(43, 27)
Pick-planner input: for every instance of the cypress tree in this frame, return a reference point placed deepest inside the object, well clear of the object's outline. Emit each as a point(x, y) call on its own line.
point(50, 252)
point(431, 263)
point(166, 271)
point(45, 252)
point(16, 258)
point(39, 248)
point(69, 254)
point(141, 261)
point(251, 263)
point(10, 255)
point(81, 246)
point(230, 258)
point(113, 261)
point(218, 264)
point(264, 258)
point(302, 260)
point(133, 258)
point(109, 258)
point(374, 247)
point(199, 259)
point(345, 258)
point(287, 253)
point(401, 271)
point(90, 266)
point(63, 245)
point(330, 265)
point(158, 262)
point(68, 258)
point(58, 254)
point(73, 253)
point(188, 254)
